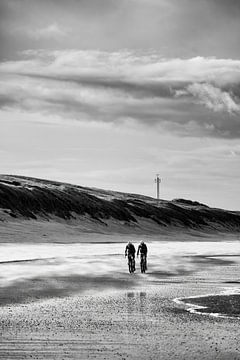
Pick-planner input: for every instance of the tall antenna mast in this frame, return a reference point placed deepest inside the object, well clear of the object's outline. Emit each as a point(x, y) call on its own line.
point(157, 181)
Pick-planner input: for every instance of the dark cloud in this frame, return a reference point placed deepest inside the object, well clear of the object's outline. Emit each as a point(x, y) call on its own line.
point(7, 102)
point(137, 89)
point(187, 28)
point(229, 7)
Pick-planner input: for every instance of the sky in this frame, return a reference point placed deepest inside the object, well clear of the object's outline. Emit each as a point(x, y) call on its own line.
point(109, 93)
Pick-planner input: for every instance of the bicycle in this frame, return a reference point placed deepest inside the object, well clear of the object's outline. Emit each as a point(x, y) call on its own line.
point(131, 263)
point(143, 263)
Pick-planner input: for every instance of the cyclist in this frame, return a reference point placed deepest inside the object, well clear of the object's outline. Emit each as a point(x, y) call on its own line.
point(130, 252)
point(142, 249)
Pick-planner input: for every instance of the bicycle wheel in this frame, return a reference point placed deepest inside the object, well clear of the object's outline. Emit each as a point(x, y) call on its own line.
point(130, 267)
point(143, 264)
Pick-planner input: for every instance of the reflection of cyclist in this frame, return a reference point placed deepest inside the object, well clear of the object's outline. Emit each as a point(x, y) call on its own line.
point(130, 252)
point(142, 249)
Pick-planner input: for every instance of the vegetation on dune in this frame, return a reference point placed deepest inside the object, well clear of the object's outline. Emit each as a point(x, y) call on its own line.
point(32, 198)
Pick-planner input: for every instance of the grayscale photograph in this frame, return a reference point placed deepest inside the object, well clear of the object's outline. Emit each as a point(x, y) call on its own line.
point(119, 179)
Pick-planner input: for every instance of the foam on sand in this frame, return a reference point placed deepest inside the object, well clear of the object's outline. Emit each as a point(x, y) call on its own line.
point(223, 305)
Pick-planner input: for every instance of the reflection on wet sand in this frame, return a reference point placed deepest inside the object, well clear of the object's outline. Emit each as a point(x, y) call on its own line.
point(137, 312)
point(137, 304)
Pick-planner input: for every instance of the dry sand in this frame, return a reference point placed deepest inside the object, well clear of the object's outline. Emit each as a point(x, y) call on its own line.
point(62, 231)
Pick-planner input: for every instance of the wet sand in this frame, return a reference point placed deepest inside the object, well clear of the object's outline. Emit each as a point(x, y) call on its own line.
point(124, 316)
point(129, 325)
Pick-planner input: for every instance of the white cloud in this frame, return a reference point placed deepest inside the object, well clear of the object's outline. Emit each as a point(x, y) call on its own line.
point(212, 97)
point(52, 31)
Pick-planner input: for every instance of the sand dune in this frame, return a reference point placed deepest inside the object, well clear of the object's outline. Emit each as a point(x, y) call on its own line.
point(90, 210)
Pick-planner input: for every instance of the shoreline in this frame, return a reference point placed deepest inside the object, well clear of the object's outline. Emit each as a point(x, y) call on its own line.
point(213, 304)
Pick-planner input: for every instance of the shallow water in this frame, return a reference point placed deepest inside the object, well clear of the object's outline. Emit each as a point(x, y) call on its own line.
point(76, 267)
point(24, 261)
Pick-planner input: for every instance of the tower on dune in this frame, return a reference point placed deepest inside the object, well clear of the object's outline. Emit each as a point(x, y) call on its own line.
point(158, 181)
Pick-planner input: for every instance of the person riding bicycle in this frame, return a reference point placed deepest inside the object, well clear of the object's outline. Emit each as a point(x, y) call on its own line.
point(142, 249)
point(130, 252)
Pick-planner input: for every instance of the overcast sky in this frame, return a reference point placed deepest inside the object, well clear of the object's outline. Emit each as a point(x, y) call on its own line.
point(107, 93)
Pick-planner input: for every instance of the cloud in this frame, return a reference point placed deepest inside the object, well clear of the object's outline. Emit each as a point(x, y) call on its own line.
point(172, 27)
point(212, 97)
point(231, 6)
point(52, 31)
point(197, 96)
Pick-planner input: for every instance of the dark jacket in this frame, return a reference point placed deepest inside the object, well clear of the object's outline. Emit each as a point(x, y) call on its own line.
point(142, 248)
point(130, 249)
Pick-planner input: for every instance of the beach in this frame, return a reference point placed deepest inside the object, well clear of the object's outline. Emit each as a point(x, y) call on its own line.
point(77, 301)
point(119, 122)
